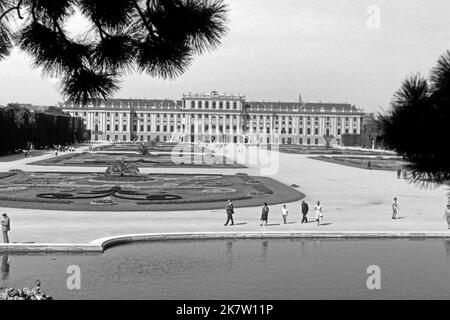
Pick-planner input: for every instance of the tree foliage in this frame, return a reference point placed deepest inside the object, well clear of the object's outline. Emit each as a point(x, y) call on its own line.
point(159, 37)
point(351, 140)
point(416, 126)
point(371, 133)
point(19, 127)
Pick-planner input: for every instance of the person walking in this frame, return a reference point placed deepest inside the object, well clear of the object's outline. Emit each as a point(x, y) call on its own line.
point(399, 173)
point(305, 209)
point(230, 211)
point(395, 208)
point(284, 213)
point(318, 213)
point(447, 215)
point(264, 214)
point(5, 227)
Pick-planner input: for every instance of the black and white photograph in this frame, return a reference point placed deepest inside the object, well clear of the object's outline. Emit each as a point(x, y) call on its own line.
point(208, 151)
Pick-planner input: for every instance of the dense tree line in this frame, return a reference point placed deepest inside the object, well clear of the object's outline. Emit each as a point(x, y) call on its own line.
point(352, 140)
point(20, 127)
point(371, 132)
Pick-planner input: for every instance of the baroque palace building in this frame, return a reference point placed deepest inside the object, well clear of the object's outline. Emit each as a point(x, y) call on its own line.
point(217, 117)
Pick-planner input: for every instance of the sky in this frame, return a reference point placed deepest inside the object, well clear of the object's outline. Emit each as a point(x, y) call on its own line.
point(352, 51)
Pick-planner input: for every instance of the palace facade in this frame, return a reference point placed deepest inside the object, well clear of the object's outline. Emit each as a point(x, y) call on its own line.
point(217, 117)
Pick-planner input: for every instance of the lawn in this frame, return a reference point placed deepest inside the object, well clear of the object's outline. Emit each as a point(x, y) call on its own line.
point(153, 159)
point(144, 192)
point(134, 146)
point(21, 155)
point(158, 155)
point(301, 149)
point(377, 163)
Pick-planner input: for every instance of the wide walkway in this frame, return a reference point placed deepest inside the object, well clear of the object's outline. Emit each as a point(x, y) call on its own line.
point(353, 199)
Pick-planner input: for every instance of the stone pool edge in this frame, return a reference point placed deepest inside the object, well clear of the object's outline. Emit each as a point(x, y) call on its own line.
point(101, 244)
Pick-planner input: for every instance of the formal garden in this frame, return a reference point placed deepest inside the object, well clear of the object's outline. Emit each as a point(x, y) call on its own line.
point(140, 147)
point(123, 188)
point(318, 149)
point(144, 155)
point(373, 163)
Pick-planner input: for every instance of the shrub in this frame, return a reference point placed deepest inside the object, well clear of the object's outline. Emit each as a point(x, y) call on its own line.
point(4, 175)
point(37, 200)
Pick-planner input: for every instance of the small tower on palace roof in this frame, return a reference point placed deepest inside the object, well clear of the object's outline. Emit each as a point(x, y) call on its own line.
point(300, 98)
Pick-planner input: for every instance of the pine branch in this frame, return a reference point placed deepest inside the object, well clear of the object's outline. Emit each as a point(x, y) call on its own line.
point(144, 19)
point(17, 7)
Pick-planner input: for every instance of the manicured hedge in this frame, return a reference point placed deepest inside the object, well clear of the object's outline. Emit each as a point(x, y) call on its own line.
point(4, 175)
point(36, 200)
point(352, 140)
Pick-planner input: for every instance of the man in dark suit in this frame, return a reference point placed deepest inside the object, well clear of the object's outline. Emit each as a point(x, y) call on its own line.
point(305, 209)
point(230, 211)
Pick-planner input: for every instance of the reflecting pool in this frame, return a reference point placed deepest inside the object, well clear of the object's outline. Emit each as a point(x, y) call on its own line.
point(243, 269)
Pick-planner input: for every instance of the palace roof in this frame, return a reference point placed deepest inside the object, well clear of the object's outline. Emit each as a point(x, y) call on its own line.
point(127, 103)
point(254, 106)
point(302, 107)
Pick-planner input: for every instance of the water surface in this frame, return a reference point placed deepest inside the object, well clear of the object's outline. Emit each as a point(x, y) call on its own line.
point(243, 269)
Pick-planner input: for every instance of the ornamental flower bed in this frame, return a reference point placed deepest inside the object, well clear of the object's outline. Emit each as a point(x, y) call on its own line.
point(86, 191)
point(218, 190)
point(104, 202)
point(262, 189)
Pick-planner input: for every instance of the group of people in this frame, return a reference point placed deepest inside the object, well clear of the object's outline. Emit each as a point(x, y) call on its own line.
point(57, 149)
point(400, 172)
point(318, 213)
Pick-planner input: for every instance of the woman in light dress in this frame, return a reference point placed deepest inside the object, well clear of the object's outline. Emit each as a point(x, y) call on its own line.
point(318, 213)
point(284, 213)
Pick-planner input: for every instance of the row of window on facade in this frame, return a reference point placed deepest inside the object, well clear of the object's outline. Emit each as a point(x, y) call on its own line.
point(276, 127)
point(251, 124)
point(214, 105)
point(165, 138)
point(268, 118)
point(220, 129)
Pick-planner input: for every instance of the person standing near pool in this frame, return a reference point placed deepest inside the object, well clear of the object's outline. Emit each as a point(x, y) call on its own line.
point(284, 213)
point(305, 209)
point(230, 211)
point(5, 227)
point(318, 213)
point(394, 208)
point(264, 214)
point(447, 215)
